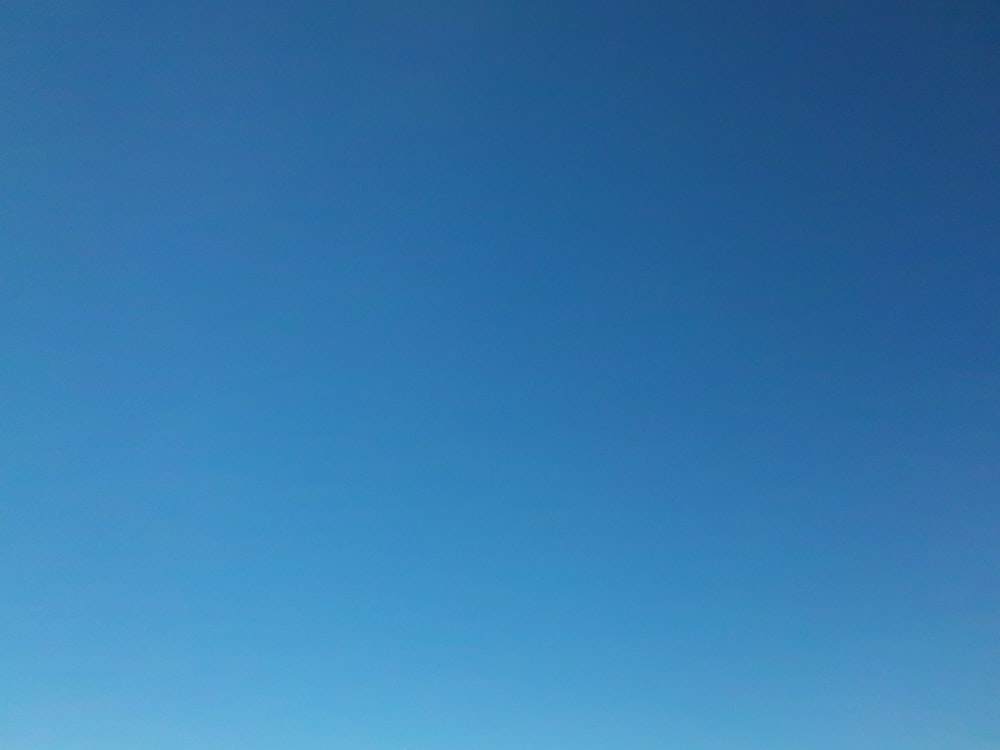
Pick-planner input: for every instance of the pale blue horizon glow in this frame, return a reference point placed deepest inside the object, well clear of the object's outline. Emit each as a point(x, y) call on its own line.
point(500, 376)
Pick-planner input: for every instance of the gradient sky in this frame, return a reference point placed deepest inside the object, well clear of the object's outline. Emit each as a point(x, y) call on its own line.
point(499, 376)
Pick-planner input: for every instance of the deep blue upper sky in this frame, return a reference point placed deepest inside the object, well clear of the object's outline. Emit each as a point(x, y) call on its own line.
point(499, 376)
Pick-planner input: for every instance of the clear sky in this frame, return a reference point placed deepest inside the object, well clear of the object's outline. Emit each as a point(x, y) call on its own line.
point(499, 376)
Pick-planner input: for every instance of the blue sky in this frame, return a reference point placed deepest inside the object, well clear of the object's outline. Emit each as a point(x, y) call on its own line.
point(467, 376)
